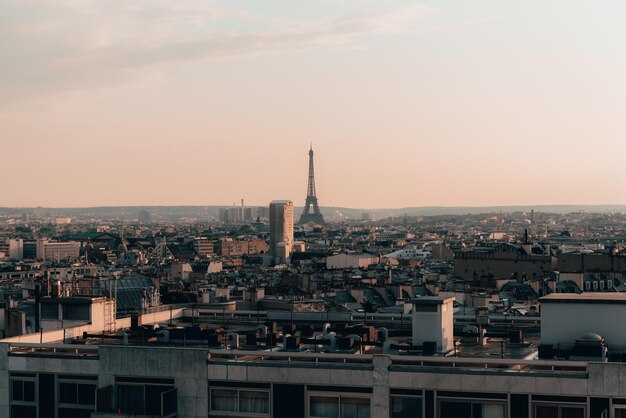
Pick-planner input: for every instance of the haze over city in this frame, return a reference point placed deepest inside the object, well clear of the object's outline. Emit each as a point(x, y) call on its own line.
point(407, 104)
point(312, 209)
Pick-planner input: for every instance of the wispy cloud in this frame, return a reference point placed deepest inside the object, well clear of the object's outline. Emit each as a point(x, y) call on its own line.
point(69, 45)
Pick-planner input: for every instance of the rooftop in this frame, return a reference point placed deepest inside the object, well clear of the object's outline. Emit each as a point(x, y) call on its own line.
point(590, 297)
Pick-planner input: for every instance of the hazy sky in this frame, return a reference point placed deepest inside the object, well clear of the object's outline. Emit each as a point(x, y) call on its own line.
point(480, 102)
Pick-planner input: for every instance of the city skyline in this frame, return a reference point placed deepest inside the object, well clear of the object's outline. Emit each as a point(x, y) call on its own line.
point(427, 104)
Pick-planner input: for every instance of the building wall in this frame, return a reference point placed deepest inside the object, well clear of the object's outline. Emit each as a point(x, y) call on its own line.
point(57, 250)
point(377, 379)
point(561, 323)
point(203, 247)
point(576, 263)
point(470, 268)
point(436, 325)
point(281, 226)
point(345, 261)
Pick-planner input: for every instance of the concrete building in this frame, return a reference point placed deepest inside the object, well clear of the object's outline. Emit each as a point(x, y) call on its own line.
point(180, 271)
point(350, 261)
point(281, 229)
point(229, 247)
point(203, 247)
point(433, 322)
point(177, 377)
point(12, 248)
point(16, 248)
point(567, 316)
point(59, 313)
point(49, 250)
point(580, 263)
point(502, 261)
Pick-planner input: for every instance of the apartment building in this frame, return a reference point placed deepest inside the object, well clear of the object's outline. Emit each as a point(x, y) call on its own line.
point(161, 365)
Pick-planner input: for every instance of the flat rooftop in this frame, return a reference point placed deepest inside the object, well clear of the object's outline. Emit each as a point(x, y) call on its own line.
point(432, 300)
point(590, 297)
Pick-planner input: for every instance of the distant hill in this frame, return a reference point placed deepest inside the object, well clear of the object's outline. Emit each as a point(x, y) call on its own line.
point(207, 212)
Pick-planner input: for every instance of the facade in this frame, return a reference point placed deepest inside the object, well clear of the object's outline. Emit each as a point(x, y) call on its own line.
point(281, 228)
point(48, 250)
point(502, 262)
point(433, 322)
point(203, 247)
point(12, 248)
point(566, 316)
point(106, 381)
point(350, 261)
point(141, 368)
point(239, 248)
point(580, 263)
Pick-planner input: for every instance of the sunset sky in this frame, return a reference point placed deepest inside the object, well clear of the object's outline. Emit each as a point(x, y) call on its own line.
point(452, 103)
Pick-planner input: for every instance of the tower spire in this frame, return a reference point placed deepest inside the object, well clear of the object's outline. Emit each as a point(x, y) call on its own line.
point(311, 212)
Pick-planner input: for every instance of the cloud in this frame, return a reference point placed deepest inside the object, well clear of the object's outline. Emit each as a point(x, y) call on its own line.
point(73, 45)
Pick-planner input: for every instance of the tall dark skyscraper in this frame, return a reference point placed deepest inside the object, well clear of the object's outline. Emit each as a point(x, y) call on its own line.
point(311, 212)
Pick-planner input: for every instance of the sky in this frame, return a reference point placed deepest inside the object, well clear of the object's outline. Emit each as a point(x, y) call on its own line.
point(205, 102)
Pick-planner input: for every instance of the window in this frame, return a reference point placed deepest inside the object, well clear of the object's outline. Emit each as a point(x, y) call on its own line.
point(471, 409)
point(595, 285)
point(76, 312)
point(77, 394)
point(559, 411)
point(49, 311)
point(406, 407)
point(327, 406)
point(234, 400)
point(587, 285)
point(425, 308)
point(355, 407)
point(23, 395)
point(324, 406)
point(145, 396)
point(609, 284)
point(602, 285)
point(23, 390)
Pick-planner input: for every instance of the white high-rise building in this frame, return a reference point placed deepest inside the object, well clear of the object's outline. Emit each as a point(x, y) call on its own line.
point(281, 229)
point(16, 248)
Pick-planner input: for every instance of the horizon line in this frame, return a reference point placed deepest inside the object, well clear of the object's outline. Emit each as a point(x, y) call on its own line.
point(327, 206)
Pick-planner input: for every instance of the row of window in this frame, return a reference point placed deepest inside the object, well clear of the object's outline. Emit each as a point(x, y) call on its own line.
point(77, 397)
point(74, 397)
point(256, 403)
point(598, 284)
point(411, 407)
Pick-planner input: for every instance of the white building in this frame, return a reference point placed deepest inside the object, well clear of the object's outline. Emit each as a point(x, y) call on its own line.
point(410, 254)
point(12, 248)
point(566, 316)
point(433, 322)
point(48, 250)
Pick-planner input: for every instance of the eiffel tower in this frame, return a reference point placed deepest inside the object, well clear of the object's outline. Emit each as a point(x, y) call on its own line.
point(311, 215)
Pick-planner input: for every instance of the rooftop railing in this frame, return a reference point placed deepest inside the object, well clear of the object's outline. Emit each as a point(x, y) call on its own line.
point(285, 357)
point(408, 363)
point(403, 363)
point(53, 350)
